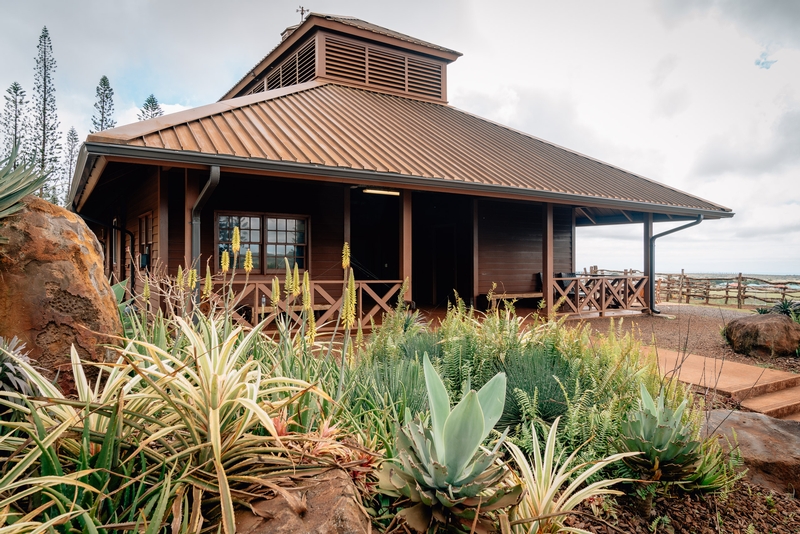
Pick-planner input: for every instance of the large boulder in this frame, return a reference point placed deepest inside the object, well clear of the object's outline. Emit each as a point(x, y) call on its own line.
point(326, 504)
point(53, 291)
point(764, 335)
point(770, 447)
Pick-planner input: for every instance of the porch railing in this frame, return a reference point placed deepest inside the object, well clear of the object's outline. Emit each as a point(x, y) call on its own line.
point(588, 293)
point(254, 301)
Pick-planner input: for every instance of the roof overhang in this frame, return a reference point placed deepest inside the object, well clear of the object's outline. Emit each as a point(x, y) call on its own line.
point(94, 156)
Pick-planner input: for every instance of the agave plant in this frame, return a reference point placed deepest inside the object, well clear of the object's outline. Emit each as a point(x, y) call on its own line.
point(669, 451)
point(443, 468)
point(545, 504)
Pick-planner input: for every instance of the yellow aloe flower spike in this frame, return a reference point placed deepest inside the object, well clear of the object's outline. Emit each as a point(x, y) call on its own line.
point(359, 335)
point(236, 241)
point(225, 261)
point(248, 261)
point(146, 290)
point(192, 279)
point(179, 278)
point(296, 282)
point(208, 284)
point(346, 255)
point(287, 284)
point(350, 303)
point(276, 292)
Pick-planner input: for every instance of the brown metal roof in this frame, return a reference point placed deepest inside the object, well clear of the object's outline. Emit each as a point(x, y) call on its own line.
point(340, 127)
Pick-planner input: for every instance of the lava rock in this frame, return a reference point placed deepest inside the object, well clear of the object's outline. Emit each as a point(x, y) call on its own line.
point(327, 505)
point(53, 290)
point(764, 335)
point(770, 447)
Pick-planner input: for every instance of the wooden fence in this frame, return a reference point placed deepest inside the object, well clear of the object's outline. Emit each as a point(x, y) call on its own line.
point(738, 290)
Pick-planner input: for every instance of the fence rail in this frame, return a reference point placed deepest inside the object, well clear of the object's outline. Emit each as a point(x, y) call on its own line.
point(735, 290)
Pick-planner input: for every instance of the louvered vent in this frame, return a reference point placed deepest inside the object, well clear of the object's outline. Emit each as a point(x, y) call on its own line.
point(382, 68)
point(424, 78)
point(297, 68)
point(347, 60)
point(258, 88)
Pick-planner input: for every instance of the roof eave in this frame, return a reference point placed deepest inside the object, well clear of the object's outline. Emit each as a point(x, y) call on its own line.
point(95, 150)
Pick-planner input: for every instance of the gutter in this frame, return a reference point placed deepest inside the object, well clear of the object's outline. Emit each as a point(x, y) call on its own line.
point(652, 273)
point(205, 194)
point(365, 176)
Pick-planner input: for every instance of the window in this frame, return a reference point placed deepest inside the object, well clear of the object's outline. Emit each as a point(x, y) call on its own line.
point(145, 240)
point(270, 238)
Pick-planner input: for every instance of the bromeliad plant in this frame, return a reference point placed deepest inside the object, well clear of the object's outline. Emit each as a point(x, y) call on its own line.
point(444, 469)
point(545, 505)
point(669, 451)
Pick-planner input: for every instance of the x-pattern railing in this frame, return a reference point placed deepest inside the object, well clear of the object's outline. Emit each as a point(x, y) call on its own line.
point(582, 294)
point(372, 297)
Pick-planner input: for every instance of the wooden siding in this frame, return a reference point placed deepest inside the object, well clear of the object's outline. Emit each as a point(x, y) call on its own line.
point(176, 233)
point(510, 245)
point(323, 204)
point(143, 198)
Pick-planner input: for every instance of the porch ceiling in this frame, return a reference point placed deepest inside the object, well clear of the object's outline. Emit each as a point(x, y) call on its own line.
point(325, 129)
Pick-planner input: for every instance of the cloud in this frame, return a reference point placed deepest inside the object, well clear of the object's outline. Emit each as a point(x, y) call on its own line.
point(665, 66)
point(751, 154)
point(672, 103)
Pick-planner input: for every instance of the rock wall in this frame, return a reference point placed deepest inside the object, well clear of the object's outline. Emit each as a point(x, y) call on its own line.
point(53, 291)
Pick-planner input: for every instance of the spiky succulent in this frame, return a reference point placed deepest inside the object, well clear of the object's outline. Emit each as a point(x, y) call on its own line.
point(669, 451)
point(443, 468)
point(13, 378)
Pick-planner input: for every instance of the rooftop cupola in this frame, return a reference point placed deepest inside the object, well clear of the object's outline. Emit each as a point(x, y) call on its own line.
point(353, 52)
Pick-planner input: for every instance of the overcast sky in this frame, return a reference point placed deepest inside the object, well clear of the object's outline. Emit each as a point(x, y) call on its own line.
point(702, 95)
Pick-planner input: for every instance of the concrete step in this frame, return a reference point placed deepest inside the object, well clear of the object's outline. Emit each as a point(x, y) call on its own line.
point(778, 404)
point(737, 380)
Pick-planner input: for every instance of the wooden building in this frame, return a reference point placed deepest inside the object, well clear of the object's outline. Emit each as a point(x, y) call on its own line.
point(342, 133)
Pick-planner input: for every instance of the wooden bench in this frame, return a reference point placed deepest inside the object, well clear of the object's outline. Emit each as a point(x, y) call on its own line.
point(513, 296)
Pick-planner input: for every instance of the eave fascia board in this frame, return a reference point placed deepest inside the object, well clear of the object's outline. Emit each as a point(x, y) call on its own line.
point(356, 176)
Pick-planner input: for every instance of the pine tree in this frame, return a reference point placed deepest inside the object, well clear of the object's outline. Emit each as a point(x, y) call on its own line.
point(151, 109)
point(70, 160)
point(14, 122)
point(104, 106)
point(45, 136)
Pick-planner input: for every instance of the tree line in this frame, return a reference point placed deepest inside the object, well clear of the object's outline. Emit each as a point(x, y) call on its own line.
point(32, 125)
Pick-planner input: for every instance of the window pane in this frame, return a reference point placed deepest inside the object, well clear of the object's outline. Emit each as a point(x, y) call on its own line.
point(272, 237)
point(245, 223)
point(290, 224)
point(255, 250)
point(300, 263)
point(255, 223)
point(281, 224)
point(272, 224)
point(244, 235)
point(272, 263)
point(281, 251)
point(300, 250)
point(290, 251)
point(255, 236)
point(271, 250)
point(282, 237)
point(223, 221)
point(301, 225)
point(301, 237)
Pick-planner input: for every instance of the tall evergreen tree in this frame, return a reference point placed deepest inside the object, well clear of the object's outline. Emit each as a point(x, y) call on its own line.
point(71, 149)
point(151, 109)
point(45, 136)
point(14, 122)
point(104, 105)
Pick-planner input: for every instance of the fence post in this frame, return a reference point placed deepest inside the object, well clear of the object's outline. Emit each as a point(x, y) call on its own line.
point(680, 287)
point(739, 292)
point(727, 289)
point(708, 290)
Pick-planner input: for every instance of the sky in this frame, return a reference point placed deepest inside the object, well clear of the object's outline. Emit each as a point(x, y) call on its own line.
point(701, 95)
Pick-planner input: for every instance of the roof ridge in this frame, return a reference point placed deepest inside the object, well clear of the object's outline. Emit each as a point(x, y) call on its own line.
point(139, 129)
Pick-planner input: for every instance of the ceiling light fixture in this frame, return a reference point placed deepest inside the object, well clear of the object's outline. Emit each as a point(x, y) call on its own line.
point(382, 192)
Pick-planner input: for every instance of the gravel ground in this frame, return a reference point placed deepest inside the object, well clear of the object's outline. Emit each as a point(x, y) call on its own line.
point(694, 329)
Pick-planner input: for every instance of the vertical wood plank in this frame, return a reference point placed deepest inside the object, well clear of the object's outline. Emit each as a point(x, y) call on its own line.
point(405, 241)
point(163, 219)
point(547, 258)
point(191, 191)
point(648, 259)
point(475, 261)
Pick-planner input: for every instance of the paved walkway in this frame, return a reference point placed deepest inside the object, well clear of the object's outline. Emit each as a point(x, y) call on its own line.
point(767, 391)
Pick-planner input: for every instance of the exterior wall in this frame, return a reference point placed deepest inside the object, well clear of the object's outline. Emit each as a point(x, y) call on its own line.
point(510, 244)
point(323, 204)
point(143, 198)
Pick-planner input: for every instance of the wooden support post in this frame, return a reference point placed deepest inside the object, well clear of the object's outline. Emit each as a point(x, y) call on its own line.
point(191, 189)
point(680, 287)
point(648, 258)
point(405, 241)
point(547, 258)
point(475, 262)
point(739, 292)
point(163, 220)
point(347, 196)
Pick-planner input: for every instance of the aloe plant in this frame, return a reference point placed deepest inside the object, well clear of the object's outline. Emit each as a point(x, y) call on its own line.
point(669, 452)
point(443, 468)
point(17, 179)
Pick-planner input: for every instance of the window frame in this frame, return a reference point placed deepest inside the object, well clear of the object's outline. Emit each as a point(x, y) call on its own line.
point(143, 220)
point(263, 215)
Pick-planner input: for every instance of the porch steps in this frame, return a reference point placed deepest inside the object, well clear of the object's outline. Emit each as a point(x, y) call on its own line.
point(767, 391)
